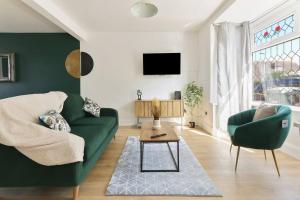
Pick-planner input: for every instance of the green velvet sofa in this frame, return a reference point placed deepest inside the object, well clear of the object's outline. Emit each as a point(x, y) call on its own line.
point(16, 170)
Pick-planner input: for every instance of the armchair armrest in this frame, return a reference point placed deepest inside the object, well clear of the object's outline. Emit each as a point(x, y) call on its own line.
point(241, 118)
point(109, 112)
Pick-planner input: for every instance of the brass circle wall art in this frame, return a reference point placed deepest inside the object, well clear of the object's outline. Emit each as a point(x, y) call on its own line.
point(79, 63)
point(87, 63)
point(72, 63)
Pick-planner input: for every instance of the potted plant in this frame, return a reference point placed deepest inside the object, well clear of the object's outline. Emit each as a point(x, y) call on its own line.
point(156, 113)
point(192, 97)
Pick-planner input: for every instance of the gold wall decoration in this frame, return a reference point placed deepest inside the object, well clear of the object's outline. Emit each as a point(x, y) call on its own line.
point(72, 63)
point(79, 63)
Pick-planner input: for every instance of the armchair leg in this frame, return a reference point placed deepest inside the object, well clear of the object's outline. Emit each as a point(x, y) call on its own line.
point(273, 153)
point(75, 192)
point(230, 148)
point(237, 157)
point(265, 154)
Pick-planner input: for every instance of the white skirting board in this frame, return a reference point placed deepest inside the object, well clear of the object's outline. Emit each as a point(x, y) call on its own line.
point(291, 150)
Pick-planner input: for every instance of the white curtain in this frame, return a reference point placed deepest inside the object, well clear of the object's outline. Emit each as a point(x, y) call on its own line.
point(231, 81)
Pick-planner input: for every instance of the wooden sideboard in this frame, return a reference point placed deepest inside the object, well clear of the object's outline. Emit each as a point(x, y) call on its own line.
point(169, 109)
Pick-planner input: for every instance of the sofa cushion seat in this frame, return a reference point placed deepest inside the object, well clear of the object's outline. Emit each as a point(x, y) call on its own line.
point(103, 120)
point(93, 135)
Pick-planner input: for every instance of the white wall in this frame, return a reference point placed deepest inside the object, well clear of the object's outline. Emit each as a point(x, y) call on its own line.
point(118, 70)
point(292, 143)
point(204, 79)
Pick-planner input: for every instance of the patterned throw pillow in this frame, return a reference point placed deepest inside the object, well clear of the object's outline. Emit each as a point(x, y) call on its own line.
point(91, 107)
point(55, 121)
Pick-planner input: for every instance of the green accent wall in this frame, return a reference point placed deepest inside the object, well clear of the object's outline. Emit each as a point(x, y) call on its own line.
point(40, 63)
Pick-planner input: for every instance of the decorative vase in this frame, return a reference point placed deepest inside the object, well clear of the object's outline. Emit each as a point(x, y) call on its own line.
point(156, 124)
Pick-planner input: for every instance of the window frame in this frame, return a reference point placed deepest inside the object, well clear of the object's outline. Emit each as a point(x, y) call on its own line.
point(279, 40)
point(272, 18)
point(267, 20)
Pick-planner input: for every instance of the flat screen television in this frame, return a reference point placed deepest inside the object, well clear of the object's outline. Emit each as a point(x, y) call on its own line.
point(161, 63)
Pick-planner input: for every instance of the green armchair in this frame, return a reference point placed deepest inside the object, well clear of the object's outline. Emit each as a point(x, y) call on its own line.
point(265, 134)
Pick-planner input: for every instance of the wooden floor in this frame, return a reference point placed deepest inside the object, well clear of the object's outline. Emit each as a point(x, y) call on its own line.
point(255, 178)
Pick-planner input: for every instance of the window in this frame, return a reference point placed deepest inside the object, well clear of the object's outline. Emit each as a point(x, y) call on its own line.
point(276, 30)
point(276, 73)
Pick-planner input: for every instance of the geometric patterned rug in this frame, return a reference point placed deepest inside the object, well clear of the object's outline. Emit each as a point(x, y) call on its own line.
point(127, 179)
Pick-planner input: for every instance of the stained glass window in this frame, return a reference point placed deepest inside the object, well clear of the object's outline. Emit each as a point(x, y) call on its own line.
point(276, 30)
point(276, 73)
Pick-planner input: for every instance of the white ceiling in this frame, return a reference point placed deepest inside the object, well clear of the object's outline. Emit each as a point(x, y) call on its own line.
point(114, 15)
point(16, 17)
point(247, 10)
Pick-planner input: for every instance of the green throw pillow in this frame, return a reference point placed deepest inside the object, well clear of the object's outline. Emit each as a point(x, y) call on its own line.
point(73, 108)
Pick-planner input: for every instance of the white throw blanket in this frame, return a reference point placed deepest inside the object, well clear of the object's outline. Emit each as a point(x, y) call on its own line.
point(20, 128)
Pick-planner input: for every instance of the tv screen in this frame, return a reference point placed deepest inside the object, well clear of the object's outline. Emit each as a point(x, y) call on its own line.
point(161, 63)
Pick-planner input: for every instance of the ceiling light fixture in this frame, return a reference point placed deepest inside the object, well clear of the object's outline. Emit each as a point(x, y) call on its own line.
point(143, 9)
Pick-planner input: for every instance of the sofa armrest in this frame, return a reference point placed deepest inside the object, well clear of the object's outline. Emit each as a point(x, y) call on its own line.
point(17, 170)
point(110, 112)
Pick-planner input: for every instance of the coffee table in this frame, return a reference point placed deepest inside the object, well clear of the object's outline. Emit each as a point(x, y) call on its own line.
point(145, 138)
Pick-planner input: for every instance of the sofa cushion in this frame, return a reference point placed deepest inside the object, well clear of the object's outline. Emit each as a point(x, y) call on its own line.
point(103, 120)
point(73, 108)
point(93, 135)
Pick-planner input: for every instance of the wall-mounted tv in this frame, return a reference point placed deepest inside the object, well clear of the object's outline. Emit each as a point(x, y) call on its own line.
point(161, 63)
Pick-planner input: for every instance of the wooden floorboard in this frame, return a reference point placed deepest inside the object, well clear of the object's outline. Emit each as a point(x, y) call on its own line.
point(256, 179)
